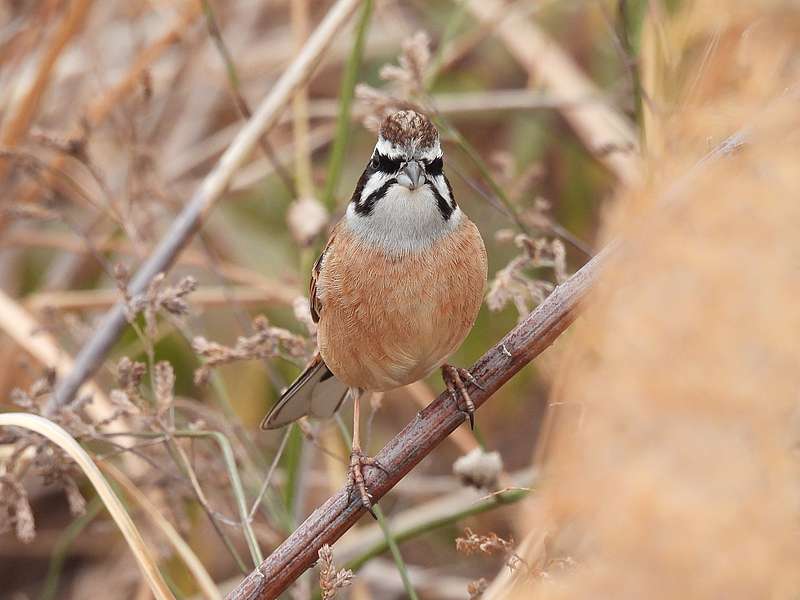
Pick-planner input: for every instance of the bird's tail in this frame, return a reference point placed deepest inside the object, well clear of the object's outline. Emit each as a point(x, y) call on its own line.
point(316, 392)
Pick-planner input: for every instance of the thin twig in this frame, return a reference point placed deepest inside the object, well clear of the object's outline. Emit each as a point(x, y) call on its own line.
point(204, 199)
point(302, 152)
point(70, 242)
point(425, 518)
point(344, 117)
point(272, 467)
point(205, 297)
point(235, 87)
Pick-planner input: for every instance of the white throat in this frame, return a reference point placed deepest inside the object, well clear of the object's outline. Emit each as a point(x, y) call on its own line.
point(402, 222)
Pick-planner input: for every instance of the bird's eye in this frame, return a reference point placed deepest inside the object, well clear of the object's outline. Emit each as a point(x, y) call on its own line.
point(384, 164)
point(435, 166)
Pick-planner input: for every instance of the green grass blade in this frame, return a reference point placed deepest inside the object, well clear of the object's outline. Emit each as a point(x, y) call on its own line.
point(346, 94)
point(61, 548)
point(395, 550)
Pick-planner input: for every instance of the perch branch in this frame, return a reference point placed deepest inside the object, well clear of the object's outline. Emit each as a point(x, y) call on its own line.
point(211, 189)
point(432, 425)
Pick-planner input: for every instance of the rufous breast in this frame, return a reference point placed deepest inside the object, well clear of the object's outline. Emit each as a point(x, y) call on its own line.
point(391, 319)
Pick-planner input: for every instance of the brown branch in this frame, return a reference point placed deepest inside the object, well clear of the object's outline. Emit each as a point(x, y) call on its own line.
point(431, 426)
point(205, 198)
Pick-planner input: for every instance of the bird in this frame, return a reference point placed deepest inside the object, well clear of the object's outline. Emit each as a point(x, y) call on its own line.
point(396, 289)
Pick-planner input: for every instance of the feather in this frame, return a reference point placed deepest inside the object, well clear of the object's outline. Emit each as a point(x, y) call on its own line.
point(316, 392)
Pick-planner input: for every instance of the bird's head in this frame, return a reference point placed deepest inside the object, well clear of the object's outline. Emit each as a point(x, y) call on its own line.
point(408, 147)
point(403, 197)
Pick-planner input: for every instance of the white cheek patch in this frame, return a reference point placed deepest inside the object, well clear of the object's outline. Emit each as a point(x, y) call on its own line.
point(403, 221)
point(375, 181)
point(441, 185)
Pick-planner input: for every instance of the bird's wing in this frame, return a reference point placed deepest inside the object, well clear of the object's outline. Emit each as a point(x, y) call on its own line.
point(313, 299)
point(316, 392)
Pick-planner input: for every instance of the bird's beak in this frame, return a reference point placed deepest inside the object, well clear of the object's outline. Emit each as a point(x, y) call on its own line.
point(412, 176)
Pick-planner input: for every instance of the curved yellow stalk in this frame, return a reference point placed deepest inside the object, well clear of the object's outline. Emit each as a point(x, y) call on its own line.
point(66, 442)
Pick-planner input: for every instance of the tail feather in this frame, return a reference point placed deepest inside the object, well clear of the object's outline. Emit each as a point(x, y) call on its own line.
point(315, 392)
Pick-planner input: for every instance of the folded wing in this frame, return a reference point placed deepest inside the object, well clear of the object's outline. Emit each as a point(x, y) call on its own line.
point(316, 392)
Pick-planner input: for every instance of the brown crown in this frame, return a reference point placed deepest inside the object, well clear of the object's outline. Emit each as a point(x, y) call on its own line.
point(409, 128)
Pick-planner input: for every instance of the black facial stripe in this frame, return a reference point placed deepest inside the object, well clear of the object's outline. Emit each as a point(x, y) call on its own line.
point(445, 208)
point(386, 165)
point(450, 191)
point(367, 205)
point(362, 181)
point(434, 167)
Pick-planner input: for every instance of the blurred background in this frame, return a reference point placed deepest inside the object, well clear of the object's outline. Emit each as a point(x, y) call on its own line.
point(111, 116)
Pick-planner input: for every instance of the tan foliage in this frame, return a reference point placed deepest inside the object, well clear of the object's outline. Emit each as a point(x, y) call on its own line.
point(678, 479)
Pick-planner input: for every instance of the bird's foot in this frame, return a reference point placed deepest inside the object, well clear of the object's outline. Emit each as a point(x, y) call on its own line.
point(454, 378)
point(355, 477)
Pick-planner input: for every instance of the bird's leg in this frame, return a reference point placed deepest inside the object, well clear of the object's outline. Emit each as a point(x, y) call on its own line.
point(355, 475)
point(454, 378)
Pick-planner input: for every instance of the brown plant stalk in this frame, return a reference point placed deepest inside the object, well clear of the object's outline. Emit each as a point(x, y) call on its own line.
point(419, 438)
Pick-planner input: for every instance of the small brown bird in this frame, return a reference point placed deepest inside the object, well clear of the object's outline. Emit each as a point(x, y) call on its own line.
point(396, 289)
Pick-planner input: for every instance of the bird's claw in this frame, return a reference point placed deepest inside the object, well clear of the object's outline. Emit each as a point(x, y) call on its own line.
point(355, 478)
point(454, 380)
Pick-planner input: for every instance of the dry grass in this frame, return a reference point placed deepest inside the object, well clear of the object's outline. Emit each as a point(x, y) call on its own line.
point(668, 462)
point(670, 470)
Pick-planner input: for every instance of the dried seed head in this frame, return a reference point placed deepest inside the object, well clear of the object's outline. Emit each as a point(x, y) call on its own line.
point(164, 377)
point(266, 342)
point(515, 284)
point(130, 373)
point(478, 468)
point(76, 501)
point(306, 219)
point(476, 588)
point(170, 299)
point(122, 275)
point(15, 509)
point(413, 65)
point(489, 544)
point(173, 298)
point(331, 580)
point(25, 528)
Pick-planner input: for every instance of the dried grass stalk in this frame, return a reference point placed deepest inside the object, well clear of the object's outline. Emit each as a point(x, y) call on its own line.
point(67, 443)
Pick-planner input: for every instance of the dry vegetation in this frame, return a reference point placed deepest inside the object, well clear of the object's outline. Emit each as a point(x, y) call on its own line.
point(670, 469)
point(668, 465)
